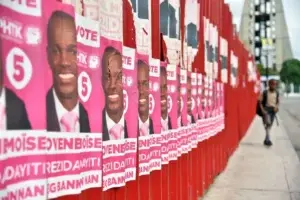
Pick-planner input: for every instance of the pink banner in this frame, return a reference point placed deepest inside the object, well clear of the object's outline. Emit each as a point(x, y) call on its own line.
point(184, 111)
point(53, 161)
point(194, 109)
point(155, 113)
point(114, 124)
point(172, 110)
point(166, 125)
point(145, 120)
point(130, 110)
point(200, 103)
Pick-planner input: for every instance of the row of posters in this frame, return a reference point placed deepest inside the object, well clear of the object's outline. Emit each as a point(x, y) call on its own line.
point(75, 104)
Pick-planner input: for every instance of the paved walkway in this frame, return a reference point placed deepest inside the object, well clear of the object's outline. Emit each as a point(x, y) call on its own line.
point(255, 172)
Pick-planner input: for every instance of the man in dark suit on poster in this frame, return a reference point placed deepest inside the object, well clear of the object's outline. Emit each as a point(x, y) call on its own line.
point(190, 116)
point(64, 112)
point(145, 121)
point(165, 118)
point(179, 119)
point(13, 114)
point(114, 126)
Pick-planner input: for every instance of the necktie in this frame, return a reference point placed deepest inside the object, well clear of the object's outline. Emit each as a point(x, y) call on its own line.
point(68, 121)
point(144, 129)
point(2, 117)
point(116, 131)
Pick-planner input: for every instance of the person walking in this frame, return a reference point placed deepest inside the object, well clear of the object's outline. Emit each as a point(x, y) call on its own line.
point(269, 106)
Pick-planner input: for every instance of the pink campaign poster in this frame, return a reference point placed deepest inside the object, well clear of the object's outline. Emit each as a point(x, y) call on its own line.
point(179, 112)
point(22, 102)
point(183, 131)
point(142, 15)
point(166, 123)
point(130, 96)
point(67, 110)
point(89, 80)
point(194, 109)
point(200, 103)
point(172, 110)
point(114, 123)
point(155, 113)
point(145, 120)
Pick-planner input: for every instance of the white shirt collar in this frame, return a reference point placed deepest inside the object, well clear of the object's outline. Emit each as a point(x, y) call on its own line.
point(3, 103)
point(60, 109)
point(110, 123)
point(164, 123)
point(179, 121)
point(141, 122)
point(3, 97)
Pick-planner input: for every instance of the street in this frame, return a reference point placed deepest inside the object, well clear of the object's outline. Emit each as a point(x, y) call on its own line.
point(290, 119)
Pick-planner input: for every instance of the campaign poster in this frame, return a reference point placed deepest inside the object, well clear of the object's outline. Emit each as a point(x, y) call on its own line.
point(173, 106)
point(194, 108)
point(115, 127)
point(192, 25)
point(142, 22)
point(179, 122)
point(189, 111)
point(111, 19)
point(224, 59)
point(155, 113)
point(215, 52)
point(89, 92)
point(142, 16)
point(166, 122)
point(90, 9)
point(170, 28)
point(145, 120)
point(201, 108)
point(130, 97)
point(22, 100)
point(69, 100)
point(207, 47)
point(184, 113)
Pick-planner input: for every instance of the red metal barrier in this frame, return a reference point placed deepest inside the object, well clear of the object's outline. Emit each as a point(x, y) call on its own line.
point(192, 174)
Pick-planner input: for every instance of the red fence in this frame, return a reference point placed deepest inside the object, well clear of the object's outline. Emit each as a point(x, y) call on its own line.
point(191, 175)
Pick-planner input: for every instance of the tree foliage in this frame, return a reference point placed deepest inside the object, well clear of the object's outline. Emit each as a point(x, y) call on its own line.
point(262, 70)
point(290, 72)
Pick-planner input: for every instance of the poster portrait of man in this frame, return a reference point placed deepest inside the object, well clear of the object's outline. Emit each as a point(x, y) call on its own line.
point(13, 113)
point(190, 116)
point(64, 111)
point(113, 120)
point(165, 118)
point(179, 119)
point(145, 125)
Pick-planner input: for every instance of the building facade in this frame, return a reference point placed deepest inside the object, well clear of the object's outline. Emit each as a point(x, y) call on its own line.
point(264, 32)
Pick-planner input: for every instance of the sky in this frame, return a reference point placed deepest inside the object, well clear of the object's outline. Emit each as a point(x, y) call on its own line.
point(291, 7)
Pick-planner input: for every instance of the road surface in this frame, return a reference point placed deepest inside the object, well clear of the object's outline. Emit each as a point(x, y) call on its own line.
point(290, 118)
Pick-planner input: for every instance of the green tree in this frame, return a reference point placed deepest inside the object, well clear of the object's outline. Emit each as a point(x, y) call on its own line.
point(290, 72)
point(262, 70)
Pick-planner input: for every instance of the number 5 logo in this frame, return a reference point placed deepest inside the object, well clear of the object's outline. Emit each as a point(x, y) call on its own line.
point(19, 68)
point(84, 86)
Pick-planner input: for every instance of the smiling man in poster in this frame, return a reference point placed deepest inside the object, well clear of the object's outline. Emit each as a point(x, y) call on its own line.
point(179, 102)
point(190, 117)
point(145, 122)
point(165, 119)
point(113, 120)
point(64, 112)
point(13, 113)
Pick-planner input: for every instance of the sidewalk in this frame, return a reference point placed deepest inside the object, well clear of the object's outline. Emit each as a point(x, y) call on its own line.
point(256, 172)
